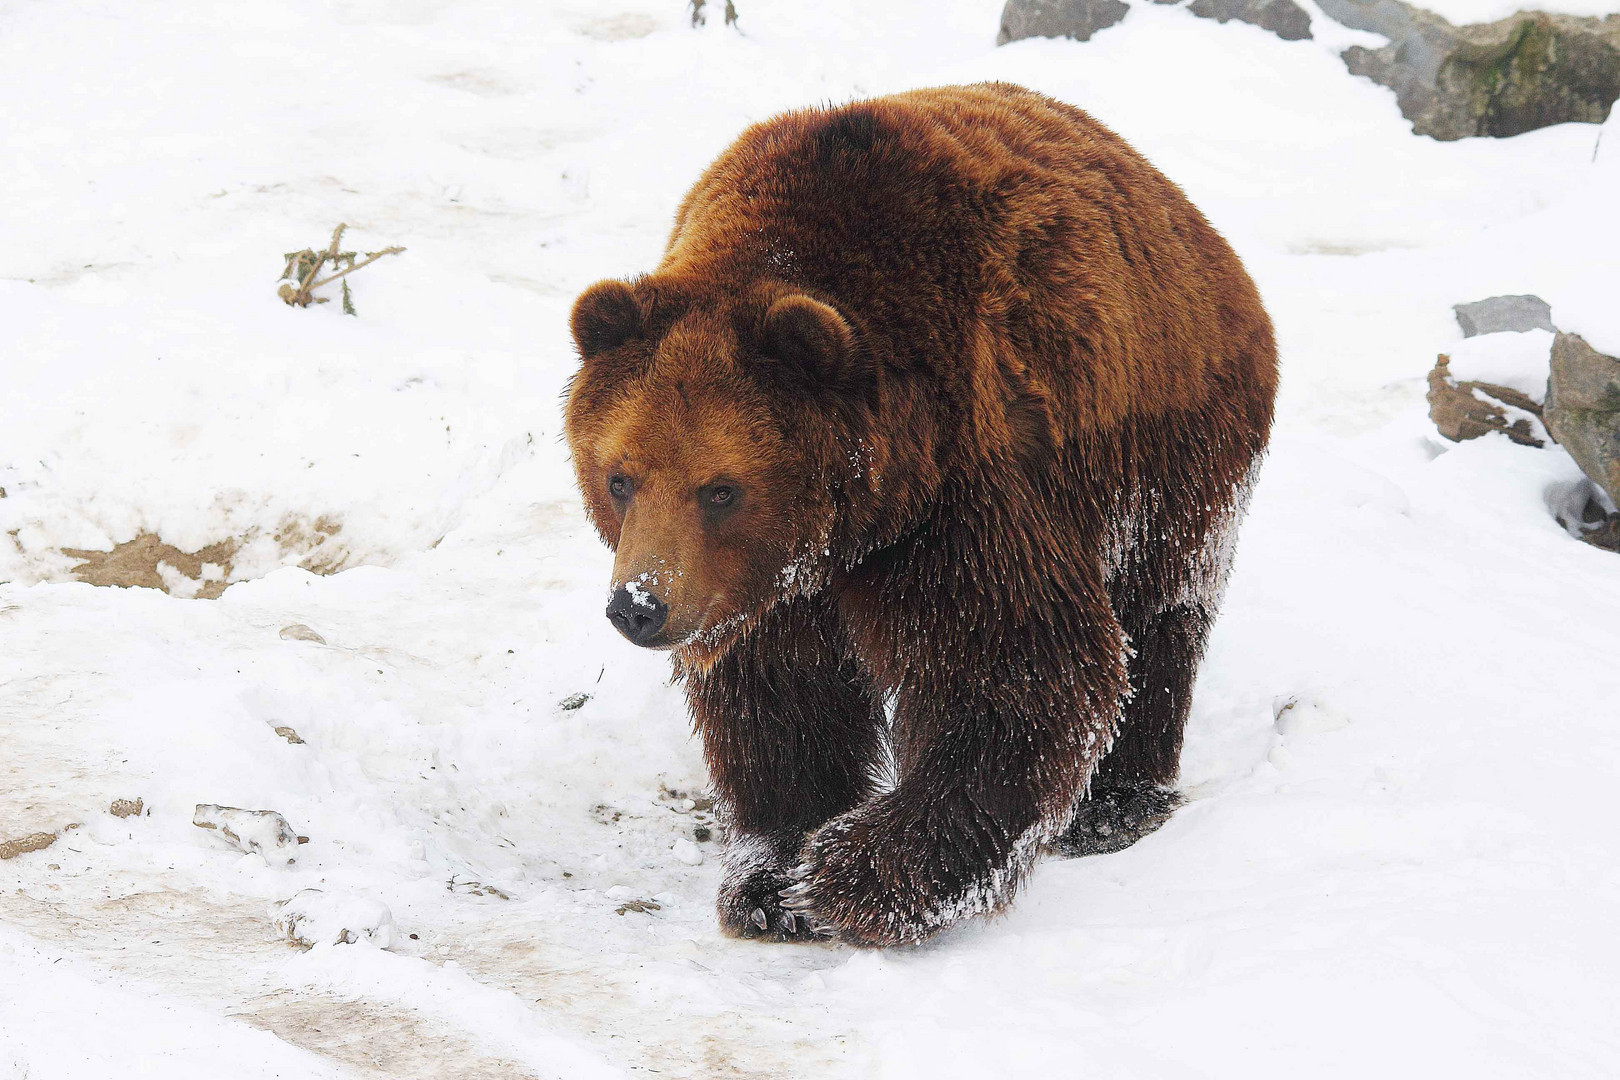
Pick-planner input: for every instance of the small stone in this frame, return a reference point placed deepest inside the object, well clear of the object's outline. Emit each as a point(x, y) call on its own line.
point(702, 834)
point(573, 701)
point(123, 808)
point(640, 907)
point(1497, 314)
point(289, 734)
point(687, 852)
point(300, 632)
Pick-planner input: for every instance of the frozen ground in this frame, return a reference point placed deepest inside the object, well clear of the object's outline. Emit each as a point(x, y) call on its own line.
point(1398, 857)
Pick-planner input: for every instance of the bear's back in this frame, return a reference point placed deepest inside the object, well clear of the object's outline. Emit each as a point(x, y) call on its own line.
point(988, 236)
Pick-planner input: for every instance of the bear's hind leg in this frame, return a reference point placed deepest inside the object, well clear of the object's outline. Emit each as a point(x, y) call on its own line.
point(1133, 791)
point(793, 737)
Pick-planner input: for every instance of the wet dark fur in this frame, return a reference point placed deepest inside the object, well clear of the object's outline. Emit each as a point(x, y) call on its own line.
point(1061, 380)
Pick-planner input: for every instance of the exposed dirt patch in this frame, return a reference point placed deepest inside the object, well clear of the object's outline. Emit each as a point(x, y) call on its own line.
point(482, 83)
point(148, 562)
point(621, 27)
point(316, 537)
point(140, 563)
point(22, 845)
point(383, 1039)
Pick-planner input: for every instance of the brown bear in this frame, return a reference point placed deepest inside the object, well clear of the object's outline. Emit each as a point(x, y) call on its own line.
point(923, 450)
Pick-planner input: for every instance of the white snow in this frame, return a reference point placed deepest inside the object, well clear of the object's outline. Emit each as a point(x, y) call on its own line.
point(1519, 361)
point(1410, 871)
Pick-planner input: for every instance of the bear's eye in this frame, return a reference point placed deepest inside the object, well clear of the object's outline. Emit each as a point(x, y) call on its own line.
point(619, 487)
point(719, 500)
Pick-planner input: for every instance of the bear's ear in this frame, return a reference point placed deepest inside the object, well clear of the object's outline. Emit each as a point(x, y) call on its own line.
point(606, 315)
point(810, 336)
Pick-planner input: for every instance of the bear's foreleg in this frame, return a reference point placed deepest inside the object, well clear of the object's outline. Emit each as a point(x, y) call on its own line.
point(792, 736)
point(1003, 712)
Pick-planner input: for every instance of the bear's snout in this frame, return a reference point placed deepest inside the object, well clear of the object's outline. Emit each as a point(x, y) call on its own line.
point(637, 614)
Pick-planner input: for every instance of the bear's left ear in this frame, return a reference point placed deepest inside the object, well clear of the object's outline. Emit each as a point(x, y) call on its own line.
point(810, 336)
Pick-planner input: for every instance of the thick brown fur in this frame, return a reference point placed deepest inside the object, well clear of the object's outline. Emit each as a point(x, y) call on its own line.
point(982, 394)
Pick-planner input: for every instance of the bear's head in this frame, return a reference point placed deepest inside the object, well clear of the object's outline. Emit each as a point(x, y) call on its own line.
point(714, 442)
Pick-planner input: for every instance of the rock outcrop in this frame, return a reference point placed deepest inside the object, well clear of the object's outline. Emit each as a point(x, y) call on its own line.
point(1284, 18)
point(1524, 72)
point(1583, 409)
point(1077, 19)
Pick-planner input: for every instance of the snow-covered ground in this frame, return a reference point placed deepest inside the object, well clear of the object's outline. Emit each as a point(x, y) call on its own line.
point(1398, 855)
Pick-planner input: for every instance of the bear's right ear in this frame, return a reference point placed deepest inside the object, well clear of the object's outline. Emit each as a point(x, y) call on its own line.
point(811, 336)
point(606, 315)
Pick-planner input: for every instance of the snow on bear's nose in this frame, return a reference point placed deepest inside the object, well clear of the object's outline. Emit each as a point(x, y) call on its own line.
point(637, 613)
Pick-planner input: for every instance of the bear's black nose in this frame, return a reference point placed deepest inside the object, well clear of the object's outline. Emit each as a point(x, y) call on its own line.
point(638, 615)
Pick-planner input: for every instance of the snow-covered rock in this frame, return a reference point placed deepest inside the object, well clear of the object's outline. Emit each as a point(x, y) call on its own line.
point(1517, 359)
point(319, 917)
point(257, 832)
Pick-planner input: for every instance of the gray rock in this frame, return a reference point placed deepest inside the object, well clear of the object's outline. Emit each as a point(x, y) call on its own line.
point(1078, 19)
point(1392, 18)
point(1284, 18)
point(1504, 78)
point(1496, 314)
point(1583, 409)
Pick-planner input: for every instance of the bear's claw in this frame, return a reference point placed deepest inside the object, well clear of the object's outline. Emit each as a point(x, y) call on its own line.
point(797, 907)
point(752, 905)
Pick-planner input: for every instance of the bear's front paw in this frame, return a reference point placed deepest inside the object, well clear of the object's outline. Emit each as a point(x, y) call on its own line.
point(868, 879)
point(750, 902)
